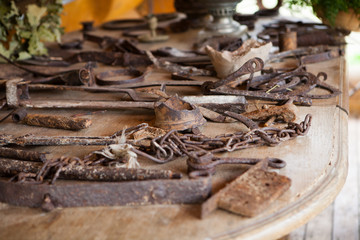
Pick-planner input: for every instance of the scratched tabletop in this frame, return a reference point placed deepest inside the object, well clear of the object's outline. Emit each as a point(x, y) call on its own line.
point(316, 164)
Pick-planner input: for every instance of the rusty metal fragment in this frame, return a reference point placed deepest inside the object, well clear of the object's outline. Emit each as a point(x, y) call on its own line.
point(174, 113)
point(250, 193)
point(219, 43)
point(50, 121)
point(111, 58)
point(286, 113)
point(144, 136)
point(219, 103)
point(107, 77)
point(178, 69)
point(32, 140)
point(243, 119)
point(202, 163)
point(10, 168)
point(87, 104)
point(214, 116)
point(78, 77)
point(25, 155)
point(130, 193)
point(287, 40)
point(320, 57)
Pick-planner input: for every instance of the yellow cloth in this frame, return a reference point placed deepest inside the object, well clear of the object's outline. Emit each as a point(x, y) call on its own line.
point(98, 11)
point(101, 11)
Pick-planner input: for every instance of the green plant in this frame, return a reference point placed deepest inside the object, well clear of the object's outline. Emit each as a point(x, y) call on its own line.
point(23, 30)
point(329, 8)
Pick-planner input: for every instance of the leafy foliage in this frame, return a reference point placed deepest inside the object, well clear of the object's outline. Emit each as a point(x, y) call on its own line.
point(330, 8)
point(22, 34)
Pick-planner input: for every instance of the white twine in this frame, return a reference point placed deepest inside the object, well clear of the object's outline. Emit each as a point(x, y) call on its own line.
point(121, 151)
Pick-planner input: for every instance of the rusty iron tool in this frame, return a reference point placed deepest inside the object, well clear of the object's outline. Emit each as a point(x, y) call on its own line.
point(202, 163)
point(320, 57)
point(45, 61)
point(333, 92)
point(117, 44)
point(214, 116)
point(75, 44)
point(132, 193)
point(17, 96)
point(83, 104)
point(107, 77)
point(78, 77)
point(305, 101)
point(187, 60)
point(62, 74)
point(218, 103)
point(178, 69)
point(50, 121)
point(110, 58)
point(164, 83)
point(297, 83)
point(29, 70)
point(175, 113)
point(250, 193)
point(219, 43)
point(130, 92)
point(174, 53)
point(243, 119)
point(25, 155)
point(298, 53)
point(104, 42)
point(286, 113)
point(32, 140)
point(12, 167)
point(250, 67)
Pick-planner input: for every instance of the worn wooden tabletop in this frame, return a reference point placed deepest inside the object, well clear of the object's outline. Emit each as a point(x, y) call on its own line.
point(316, 164)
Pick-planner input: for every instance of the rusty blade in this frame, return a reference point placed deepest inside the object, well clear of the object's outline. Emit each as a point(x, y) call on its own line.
point(106, 194)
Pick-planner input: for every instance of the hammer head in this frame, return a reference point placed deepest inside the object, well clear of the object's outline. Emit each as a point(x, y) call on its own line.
point(16, 90)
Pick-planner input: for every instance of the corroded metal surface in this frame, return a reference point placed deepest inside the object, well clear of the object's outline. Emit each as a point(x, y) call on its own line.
point(9, 168)
point(25, 155)
point(50, 121)
point(249, 194)
point(174, 113)
point(107, 194)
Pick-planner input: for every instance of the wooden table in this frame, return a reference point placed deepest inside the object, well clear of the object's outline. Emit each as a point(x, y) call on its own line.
point(316, 163)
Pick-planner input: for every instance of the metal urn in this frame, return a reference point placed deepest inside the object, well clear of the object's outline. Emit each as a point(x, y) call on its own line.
point(223, 22)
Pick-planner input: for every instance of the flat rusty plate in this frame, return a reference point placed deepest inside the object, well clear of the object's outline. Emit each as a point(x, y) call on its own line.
point(250, 193)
